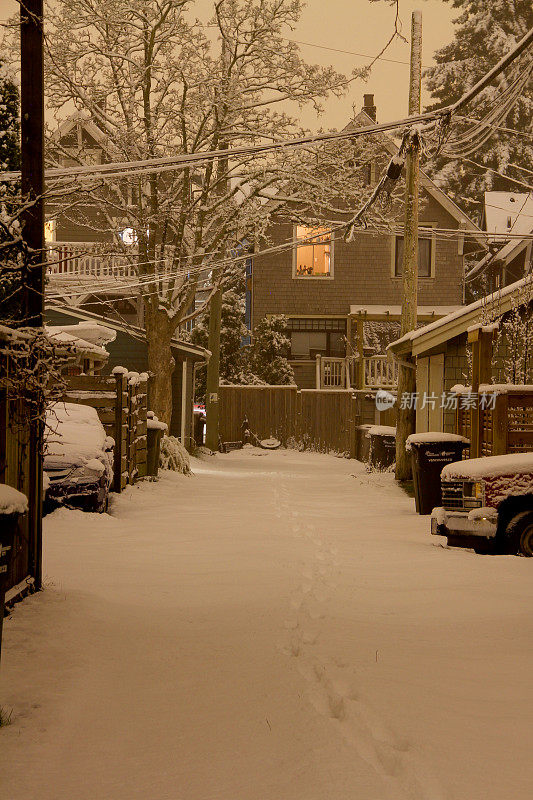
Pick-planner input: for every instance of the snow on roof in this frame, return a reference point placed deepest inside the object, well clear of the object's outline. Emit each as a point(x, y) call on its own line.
point(489, 467)
point(396, 311)
point(59, 336)
point(460, 320)
point(118, 325)
point(89, 331)
point(12, 501)
point(508, 212)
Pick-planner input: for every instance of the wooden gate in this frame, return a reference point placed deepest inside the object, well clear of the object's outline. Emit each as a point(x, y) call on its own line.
point(322, 420)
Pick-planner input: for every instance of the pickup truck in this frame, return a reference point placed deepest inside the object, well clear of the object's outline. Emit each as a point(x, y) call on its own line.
point(487, 504)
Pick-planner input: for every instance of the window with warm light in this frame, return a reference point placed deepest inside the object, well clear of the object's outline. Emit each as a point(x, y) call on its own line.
point(50, 230)
point(313, 253)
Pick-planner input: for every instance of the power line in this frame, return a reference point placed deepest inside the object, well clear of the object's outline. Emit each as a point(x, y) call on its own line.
point(460, 118)
point(497, 172)
point(349, 52)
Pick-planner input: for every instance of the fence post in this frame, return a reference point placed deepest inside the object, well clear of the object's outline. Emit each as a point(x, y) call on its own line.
point(117, 465)
point(141, 432)
point(318, 371)
point(500, 425)
point(298, 425)
point(354, 422)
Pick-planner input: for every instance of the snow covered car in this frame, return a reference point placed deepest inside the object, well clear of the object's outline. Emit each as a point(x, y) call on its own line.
point(78, 460)
point(487, 504)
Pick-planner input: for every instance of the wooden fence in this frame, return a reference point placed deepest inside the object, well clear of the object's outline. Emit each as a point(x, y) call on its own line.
point(20, 468)
point(121, 403)
point(506, 428)
point(323, 420)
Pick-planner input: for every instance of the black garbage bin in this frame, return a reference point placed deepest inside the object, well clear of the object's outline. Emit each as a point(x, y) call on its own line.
point(382, 452)
point(430, 452)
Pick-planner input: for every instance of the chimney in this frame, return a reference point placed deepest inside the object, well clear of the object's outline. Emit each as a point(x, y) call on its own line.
point(368, 106)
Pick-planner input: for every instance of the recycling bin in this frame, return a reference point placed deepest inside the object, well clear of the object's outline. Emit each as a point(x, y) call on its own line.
point(382, 453)
point(430, 452)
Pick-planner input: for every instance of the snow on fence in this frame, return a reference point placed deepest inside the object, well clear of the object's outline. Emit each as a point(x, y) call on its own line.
point(323, 420)
point(121, 403)
point(506, 428)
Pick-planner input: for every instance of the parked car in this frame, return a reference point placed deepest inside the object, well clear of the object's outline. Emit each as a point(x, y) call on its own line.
point(487, 504)
point(78, 462)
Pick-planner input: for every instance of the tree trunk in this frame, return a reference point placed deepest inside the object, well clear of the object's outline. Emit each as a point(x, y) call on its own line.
point(160, 364)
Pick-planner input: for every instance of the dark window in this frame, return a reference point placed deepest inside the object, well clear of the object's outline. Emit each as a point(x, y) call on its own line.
point(310, 337)
point(424, 257)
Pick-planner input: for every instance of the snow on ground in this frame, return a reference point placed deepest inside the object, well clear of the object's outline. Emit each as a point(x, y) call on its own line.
point(281, 626)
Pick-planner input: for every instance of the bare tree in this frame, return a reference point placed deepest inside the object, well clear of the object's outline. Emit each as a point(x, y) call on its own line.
point(158, 83)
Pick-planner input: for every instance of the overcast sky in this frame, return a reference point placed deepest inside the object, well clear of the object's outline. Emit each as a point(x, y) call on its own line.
point(360, 27)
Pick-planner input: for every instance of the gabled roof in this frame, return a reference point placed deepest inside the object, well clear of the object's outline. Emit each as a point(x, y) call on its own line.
point(423, 339)
point(187, 348)
point(506, 212)
point(502, 257)
point(94, 131)
point(467, 224)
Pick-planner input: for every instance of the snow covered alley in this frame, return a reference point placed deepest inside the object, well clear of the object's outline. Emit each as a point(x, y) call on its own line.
point(281, 626)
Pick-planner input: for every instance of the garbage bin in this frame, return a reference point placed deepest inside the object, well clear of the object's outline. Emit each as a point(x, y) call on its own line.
point(13, 504)
point(363, 442)
point(430, 452)
point(199, 428)
point(382, 446)
point(154, 434)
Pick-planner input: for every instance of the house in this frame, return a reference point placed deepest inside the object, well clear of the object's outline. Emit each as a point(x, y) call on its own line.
point(507, 216)
point(129, 348)
point(441, 351)
point(340, 295)
point(86, 268)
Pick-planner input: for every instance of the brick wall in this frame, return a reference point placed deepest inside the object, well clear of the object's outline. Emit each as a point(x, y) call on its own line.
point(361, 274)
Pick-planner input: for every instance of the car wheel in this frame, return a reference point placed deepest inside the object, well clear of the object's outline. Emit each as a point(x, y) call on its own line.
point(519, 533)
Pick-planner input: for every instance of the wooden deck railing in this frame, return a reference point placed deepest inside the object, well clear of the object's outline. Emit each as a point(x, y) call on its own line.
point(379, 372)
point(72, 259)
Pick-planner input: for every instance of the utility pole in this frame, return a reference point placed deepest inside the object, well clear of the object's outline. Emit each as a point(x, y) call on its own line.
point(215, 306)
point(407, 373)
point(33, 272)
point(32, 157)
point(213, 368)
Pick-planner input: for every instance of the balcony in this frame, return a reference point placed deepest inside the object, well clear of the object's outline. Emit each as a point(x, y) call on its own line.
point(79, 260)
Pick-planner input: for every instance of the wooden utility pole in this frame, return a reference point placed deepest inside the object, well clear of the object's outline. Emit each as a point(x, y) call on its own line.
point(213, 370)
point(32, 157)
point(33, 272)
point(407, 374)
point(215, 306)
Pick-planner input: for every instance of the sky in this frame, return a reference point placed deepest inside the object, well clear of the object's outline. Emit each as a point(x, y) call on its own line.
point(361, 27)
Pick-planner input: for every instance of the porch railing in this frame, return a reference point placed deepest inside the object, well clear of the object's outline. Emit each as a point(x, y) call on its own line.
point(86, 259)
point(379, 372)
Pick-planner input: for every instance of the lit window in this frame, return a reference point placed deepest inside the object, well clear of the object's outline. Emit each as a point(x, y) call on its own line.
point(50, 230)
point(425, 248)
point(313, 256)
